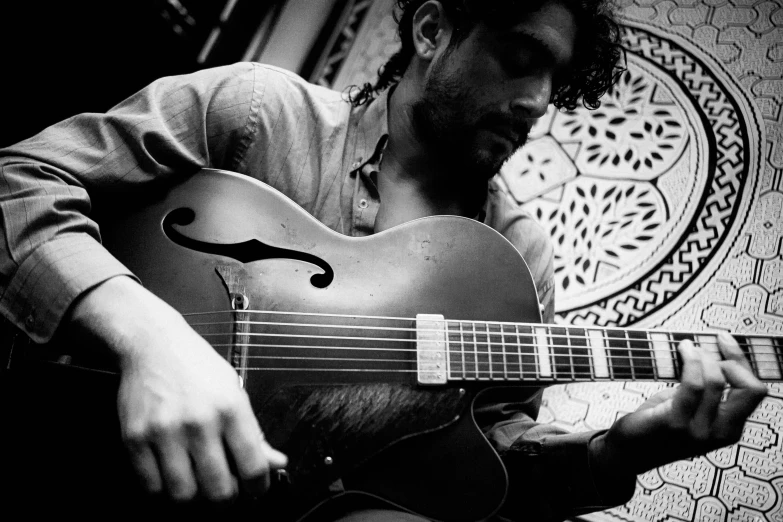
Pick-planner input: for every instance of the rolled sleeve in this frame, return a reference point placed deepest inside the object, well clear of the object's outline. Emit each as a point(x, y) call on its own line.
point(51, 277)
point(51, 184)
point(553, 475)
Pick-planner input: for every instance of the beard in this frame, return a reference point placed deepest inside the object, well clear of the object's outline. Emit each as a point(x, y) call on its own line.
point(448, 122)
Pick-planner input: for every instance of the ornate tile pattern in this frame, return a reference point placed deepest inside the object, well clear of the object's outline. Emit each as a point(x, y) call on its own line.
point(666, 209)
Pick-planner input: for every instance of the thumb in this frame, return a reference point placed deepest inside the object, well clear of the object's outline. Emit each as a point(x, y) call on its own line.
point(275, 458)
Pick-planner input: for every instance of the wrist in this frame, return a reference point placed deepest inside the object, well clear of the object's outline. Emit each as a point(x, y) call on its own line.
point(116, 316)
point(613, 474)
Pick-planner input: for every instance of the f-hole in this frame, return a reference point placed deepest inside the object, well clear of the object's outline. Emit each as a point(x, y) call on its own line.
point(244, 252)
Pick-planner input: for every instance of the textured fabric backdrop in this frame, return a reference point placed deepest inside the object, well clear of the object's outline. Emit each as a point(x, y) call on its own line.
point(665, 208)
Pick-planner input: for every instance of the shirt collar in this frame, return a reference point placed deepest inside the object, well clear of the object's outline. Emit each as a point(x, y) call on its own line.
point(373, 130)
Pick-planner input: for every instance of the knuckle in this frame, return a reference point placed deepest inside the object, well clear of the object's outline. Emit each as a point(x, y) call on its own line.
point(134, 437)
point(700, 434)
point(715, 384)
point(161, 428)
point(759, 390)
point(220, 493)
point(181, 490)
point(199, 423)
point(695, 388)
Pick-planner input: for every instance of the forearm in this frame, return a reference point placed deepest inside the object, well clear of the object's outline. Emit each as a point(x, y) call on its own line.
point(553, 476)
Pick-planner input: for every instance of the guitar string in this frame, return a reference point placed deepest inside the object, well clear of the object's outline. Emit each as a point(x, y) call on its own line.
point(487, 342)
point(504, 365)
point(759, 358)
point(624, 340)
point(497, 376)
point(447, 322)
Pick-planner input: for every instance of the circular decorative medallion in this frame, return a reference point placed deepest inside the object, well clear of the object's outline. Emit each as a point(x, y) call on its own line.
point(641, 194)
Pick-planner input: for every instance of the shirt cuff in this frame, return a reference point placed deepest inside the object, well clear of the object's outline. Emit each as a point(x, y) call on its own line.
point(563, 467)
point(51, 278)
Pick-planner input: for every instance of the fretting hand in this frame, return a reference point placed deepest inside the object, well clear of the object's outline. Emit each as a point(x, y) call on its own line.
point(187, 424)
point(689, 420)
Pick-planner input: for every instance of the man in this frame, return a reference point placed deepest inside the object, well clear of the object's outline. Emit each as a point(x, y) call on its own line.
point(471, 79)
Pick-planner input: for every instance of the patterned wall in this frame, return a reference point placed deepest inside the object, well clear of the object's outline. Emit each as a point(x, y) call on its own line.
point(665, 208)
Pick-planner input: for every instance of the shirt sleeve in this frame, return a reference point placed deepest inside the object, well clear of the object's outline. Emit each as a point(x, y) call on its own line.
point(553, 474)
point(50, 183)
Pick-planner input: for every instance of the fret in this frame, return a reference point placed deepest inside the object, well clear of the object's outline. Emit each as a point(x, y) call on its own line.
point(580, 354)
point(503, 352)
point(598, 348)
point(542, 351)
point(505, 355)
point(769, 363)
point(497, 370)
point(511, 358)
point(462, 350)
point(519, 353)
point(677, 338)
point(475, 358)
point(455, 366)
point(527, 353)
point(490, 361)
point(744, 344)
point(663, 355)
point(678, 365)
point(618, 354)
point(481, 355)
point(469, 362)
point(484, 356)
point(642, 365)
point(561, 354)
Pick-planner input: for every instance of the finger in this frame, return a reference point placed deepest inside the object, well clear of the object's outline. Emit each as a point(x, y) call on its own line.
point(176, 468)
point(251, 454)
point(212, 471)
point(746, 393)
point(143, 461)
point(713, 385)
point(277, 459)
point(731, 351)
point(688, 395)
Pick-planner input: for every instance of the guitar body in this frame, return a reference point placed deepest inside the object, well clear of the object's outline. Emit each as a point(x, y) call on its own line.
point(220, 239)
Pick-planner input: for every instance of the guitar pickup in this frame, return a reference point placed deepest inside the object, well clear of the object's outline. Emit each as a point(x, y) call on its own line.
point(431, 347)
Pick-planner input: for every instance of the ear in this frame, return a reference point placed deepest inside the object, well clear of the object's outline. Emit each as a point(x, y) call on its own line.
point(431, 29)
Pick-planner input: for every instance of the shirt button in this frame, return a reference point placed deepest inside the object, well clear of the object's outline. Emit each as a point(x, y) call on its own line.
point(363, 203)
point(29, 321)
point(357, 163)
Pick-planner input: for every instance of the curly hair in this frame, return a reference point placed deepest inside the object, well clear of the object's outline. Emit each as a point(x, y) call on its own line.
point(596, 66)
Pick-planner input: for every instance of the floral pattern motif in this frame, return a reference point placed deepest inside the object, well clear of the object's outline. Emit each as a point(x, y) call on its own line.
point(591, 177)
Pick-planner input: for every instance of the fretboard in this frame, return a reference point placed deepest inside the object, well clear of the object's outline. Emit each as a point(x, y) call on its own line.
point(546, 353)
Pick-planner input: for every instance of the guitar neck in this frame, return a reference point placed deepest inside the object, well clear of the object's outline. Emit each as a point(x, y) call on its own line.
point(507, 352)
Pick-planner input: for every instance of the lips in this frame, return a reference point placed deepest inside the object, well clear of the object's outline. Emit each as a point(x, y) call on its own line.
point(517, 136)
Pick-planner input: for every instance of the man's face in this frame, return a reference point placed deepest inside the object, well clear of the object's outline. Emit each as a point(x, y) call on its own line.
point(482, 96)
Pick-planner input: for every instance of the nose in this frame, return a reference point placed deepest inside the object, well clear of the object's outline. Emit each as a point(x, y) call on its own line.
point(533, 96)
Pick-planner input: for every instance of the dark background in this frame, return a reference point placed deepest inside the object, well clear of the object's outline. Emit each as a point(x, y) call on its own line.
point(60, 58)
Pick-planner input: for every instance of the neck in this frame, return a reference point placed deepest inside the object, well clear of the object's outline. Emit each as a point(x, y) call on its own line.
point(413, 182)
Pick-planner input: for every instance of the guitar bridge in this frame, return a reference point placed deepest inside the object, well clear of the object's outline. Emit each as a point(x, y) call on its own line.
point(432, 364)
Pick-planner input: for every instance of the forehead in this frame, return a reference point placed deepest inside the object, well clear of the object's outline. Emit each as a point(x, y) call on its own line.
point(551, 30)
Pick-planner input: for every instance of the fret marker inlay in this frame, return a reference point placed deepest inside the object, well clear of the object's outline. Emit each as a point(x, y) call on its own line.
point(542, 350)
